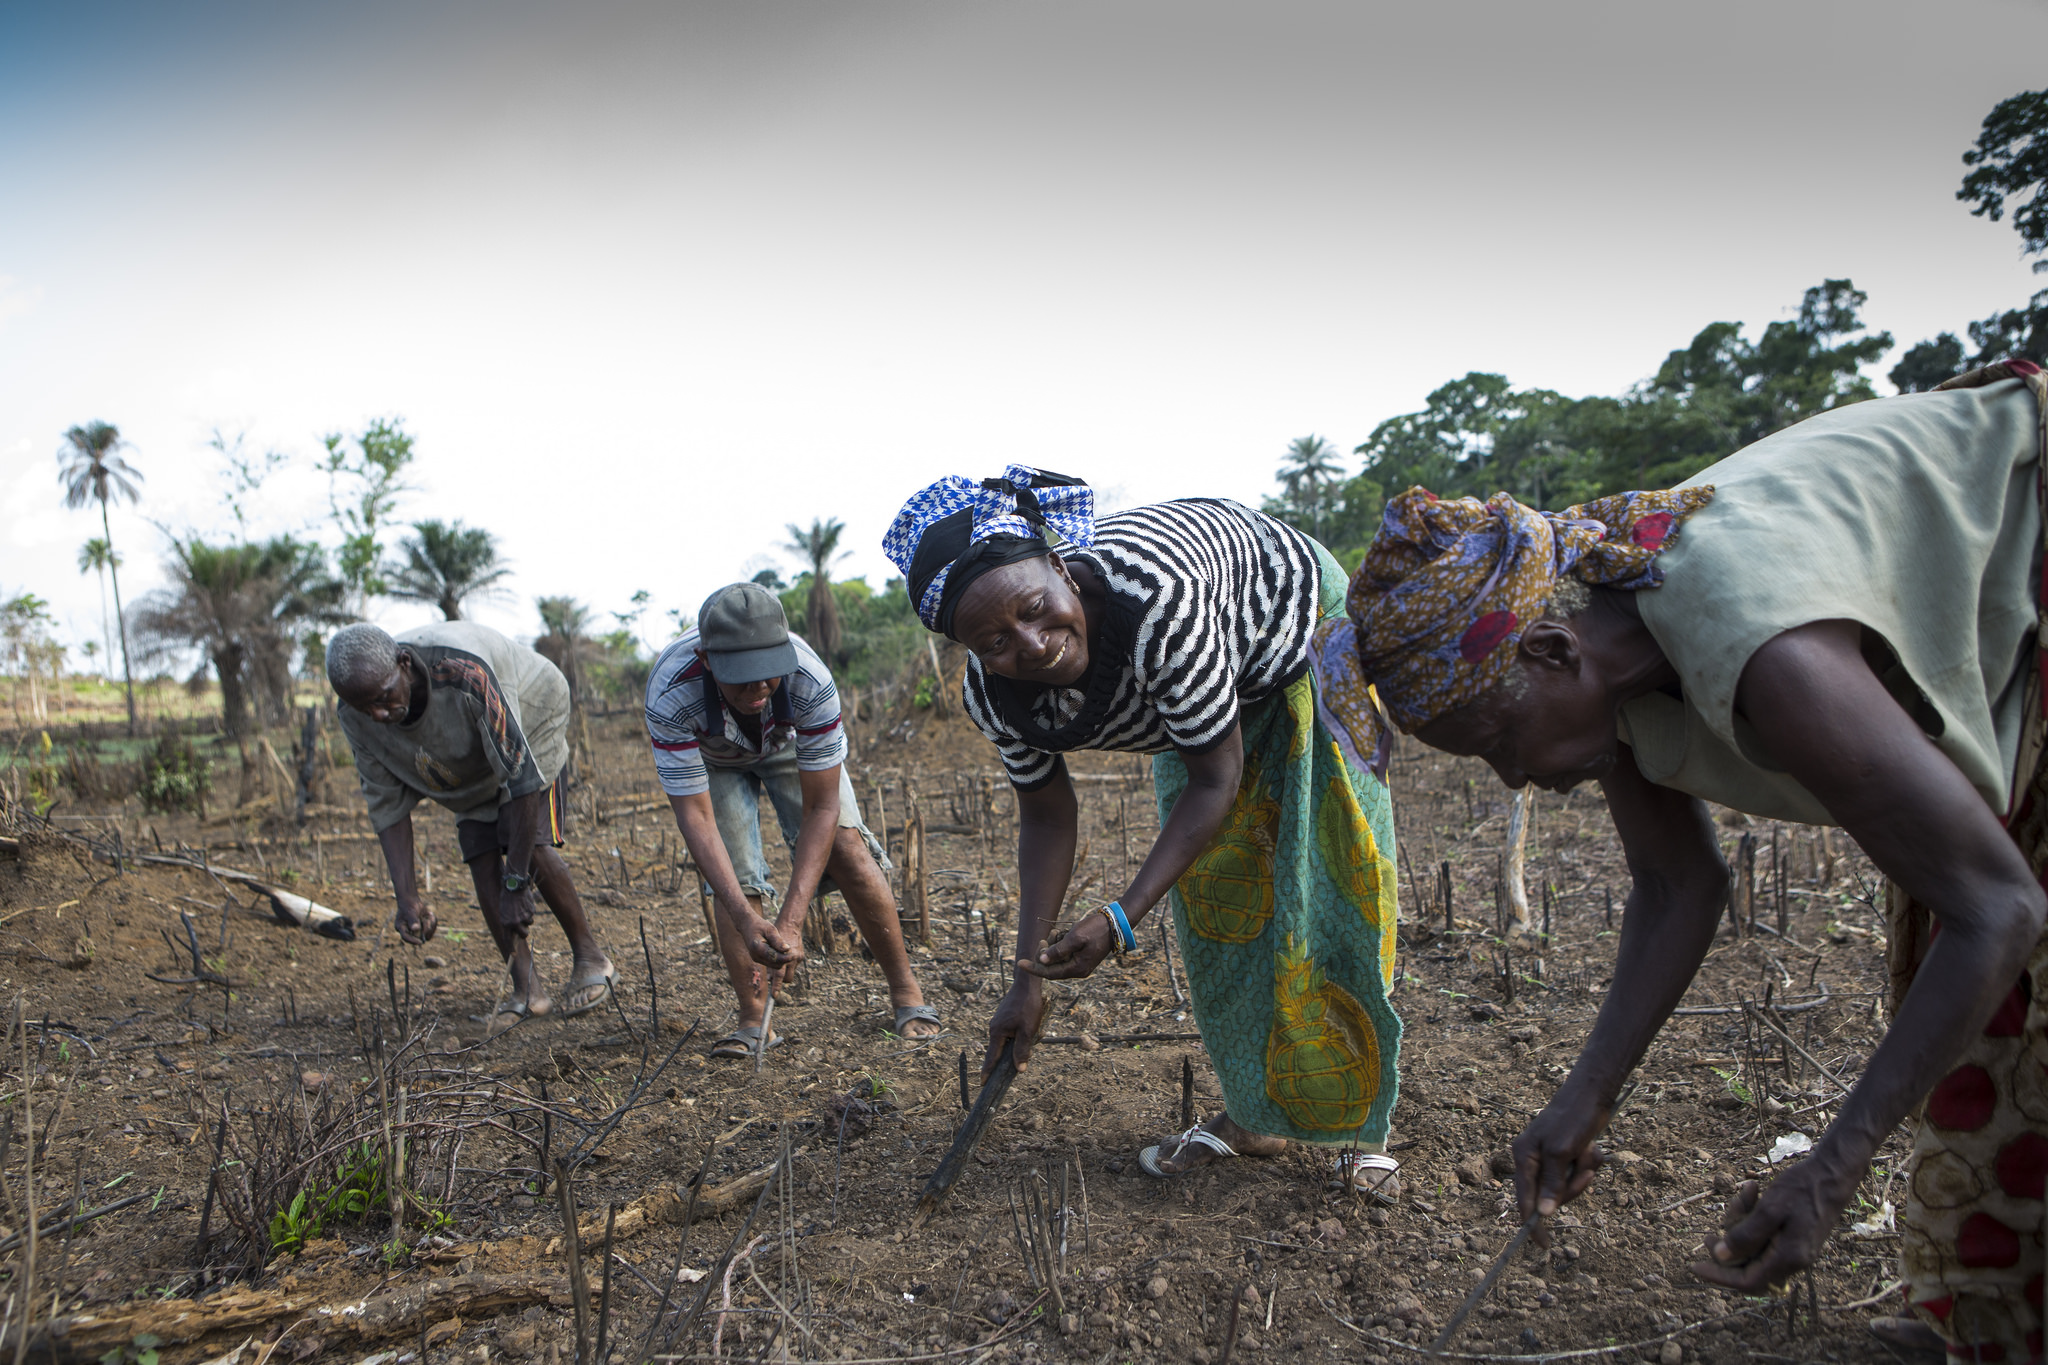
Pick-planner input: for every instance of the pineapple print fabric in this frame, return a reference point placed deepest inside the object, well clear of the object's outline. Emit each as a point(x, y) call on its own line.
point(1286, 923)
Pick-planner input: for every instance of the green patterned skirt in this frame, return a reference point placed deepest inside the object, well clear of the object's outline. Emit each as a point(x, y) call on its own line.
point(1286, 924)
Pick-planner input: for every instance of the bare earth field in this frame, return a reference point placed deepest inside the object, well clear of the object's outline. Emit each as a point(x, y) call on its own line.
point(126, 1079)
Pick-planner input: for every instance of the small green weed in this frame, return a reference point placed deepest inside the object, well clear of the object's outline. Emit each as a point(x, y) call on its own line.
point(357, 1189)
point(1735, 1087)
point(174, 777)
point(142, 1352)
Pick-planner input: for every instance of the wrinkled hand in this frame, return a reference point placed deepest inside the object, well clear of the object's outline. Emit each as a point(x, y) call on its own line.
point(1769, 1234)
point(1016, 1017)
point(415, 923)
point(1074, 952)
point(1558, 1155)
point(771, 944)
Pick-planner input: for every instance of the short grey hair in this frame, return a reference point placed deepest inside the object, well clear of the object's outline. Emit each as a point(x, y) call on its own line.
point(1570, 597)
point(359, 657)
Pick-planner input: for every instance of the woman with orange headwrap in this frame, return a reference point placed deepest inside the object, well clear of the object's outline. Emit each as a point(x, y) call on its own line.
point(1841, 625)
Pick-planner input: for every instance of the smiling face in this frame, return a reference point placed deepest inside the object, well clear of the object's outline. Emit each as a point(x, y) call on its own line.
point(390, 698)
point(1554, 726)
point(748, 699)
point(1026, 621)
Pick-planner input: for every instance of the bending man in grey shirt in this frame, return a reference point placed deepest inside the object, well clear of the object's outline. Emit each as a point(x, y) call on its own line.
point(457, 713)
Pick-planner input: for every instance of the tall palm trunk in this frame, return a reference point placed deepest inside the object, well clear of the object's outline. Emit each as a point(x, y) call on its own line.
point(127, 672)
point(228, 663)
point(822, 609)
point(106, 624)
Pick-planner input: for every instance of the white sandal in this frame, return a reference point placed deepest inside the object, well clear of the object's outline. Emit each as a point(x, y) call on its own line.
point(1371, 1174)
point(1198, 1135)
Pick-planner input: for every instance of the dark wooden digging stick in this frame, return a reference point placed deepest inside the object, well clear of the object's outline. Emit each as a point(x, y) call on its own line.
point(971, 1129)
point(1485, 1286)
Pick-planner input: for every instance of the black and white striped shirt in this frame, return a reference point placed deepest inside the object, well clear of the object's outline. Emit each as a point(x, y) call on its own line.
point(1210, 606)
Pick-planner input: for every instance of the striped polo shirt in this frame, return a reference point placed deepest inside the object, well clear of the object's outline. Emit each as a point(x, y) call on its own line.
point(692, 729)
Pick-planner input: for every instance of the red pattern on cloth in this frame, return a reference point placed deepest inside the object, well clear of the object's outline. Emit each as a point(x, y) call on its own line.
point(1971, 1238)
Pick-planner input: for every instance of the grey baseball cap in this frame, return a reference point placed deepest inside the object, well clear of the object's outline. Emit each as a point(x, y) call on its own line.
point(744, 634)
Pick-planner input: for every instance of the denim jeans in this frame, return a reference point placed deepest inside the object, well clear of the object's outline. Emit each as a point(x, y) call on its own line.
point(736, 805)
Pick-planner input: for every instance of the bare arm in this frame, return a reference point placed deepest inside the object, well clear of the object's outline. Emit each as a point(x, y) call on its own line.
point(415, 923)
point(1048, 824)
point(1190, 827)
point(1679, 886)
point(1828, 721)
point(522, 826)
point(766, 944)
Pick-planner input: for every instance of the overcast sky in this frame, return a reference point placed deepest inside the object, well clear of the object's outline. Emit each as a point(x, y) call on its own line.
point(648, 283)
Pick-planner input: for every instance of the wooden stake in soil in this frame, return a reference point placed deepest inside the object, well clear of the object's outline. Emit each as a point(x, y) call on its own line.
point(572, 1243)
point(761, 1043)
point(1230, 1332)
point(914, 887)
point(969, 1137)
point(604, 1294)
point(220, 1142)
point(1443, 881)
point(1187, 1093)
point(1511, 866)
point(1480, 1290)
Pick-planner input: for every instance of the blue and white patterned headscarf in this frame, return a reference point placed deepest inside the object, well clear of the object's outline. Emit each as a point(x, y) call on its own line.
point(953, 531)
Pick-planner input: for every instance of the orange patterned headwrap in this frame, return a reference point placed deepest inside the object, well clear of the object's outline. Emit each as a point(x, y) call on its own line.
point(1433, 614)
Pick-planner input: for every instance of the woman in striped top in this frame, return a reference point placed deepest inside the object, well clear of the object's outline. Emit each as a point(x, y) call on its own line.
point(1182, 630)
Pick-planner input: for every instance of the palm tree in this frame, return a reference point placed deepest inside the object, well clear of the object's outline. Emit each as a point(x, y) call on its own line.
point(97, 554)
point(819, 547)
point(239, 604)
point(1310, 463)
point(565, 639)
point(93, 471)
point(445, 563)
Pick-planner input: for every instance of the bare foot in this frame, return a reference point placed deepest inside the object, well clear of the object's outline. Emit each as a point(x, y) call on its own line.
point(1176, 1156)
point(914, 1029)
point(590, 983)
point(527, 992)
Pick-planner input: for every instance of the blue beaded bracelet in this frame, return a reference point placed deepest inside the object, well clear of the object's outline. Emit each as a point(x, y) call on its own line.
point(1125, 939)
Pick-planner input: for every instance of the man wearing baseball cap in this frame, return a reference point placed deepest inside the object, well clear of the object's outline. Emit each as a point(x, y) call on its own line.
point(738, 707)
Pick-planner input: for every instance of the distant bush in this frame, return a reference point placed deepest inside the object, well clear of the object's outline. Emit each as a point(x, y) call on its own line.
point(174, 777)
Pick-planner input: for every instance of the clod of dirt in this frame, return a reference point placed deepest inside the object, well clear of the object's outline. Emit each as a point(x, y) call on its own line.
point(444, 1331)
point(433, 963)
point(315, 1080)
point(1000, 1306)
point(1502, 1165)
point(1471, 1171)
point(1330, 1230)
point(1156, 1288)
point(1484, 1009)
point(1089, 1043)
point(1249, 1295)
point(1671, 1353)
